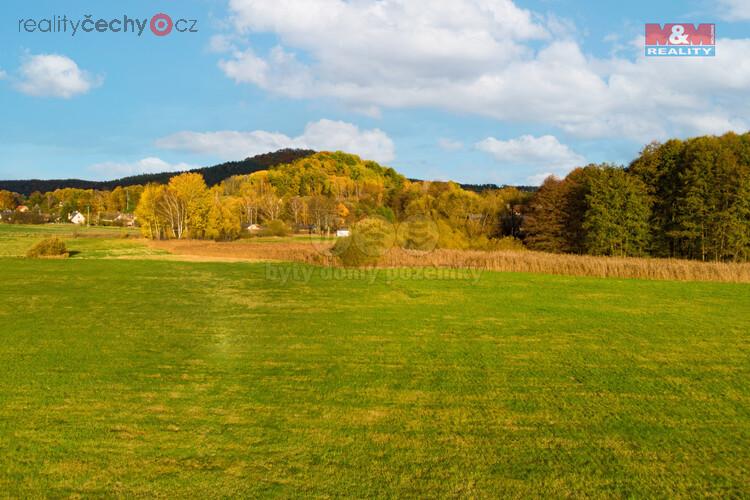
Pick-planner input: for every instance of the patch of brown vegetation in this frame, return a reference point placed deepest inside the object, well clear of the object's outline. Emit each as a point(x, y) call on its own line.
point(574, 265)
point(508, 261)
point(238, 251)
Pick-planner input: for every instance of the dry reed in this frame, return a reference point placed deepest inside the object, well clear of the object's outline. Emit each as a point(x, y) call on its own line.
point(508, 261)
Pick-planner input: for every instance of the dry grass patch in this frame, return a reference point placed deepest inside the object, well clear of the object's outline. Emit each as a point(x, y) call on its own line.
point(238, 251)
point(574, 265)
point(507, 261)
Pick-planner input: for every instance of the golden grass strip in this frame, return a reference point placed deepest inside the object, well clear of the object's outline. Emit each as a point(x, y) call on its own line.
point(508, 261)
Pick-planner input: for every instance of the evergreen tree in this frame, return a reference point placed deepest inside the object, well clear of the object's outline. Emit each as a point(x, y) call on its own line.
point(616, 221)
point(545, 223)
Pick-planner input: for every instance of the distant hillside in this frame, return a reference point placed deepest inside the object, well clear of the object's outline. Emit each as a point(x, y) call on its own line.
point(479, 188)
point(213, 175)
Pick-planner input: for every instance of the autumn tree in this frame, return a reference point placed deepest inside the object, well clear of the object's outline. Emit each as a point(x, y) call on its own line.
point(8, 200)
point(224, 216)
point(150, 216)
point(185, 205)
point(546, 222)
point(297, 208)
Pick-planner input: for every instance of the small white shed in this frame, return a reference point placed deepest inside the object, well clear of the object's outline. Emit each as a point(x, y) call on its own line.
point(77, 218)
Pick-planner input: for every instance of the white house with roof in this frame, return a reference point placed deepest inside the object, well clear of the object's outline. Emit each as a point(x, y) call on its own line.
point(77, 218)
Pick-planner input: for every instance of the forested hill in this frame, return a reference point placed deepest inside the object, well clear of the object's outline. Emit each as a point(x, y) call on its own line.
point(213, 175)
point(480, 188)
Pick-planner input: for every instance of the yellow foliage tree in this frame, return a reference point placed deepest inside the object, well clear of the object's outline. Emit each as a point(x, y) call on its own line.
point(149, 212)
point(224, 216)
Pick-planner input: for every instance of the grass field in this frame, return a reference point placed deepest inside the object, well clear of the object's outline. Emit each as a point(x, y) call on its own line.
point(212, 379)
point(83, 242)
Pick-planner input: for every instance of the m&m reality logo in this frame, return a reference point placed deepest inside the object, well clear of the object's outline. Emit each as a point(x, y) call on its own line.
point(681, 40)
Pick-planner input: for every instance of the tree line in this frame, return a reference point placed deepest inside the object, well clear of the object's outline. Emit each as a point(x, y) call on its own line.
point(680, 199)
point(322, 193)
point(99, 206)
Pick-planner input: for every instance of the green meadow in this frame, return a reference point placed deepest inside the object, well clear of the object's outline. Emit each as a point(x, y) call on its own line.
point(151, 377)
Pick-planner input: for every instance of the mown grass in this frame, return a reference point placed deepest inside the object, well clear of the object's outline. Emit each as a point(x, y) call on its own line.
point(173, 379)
point(83, 242)
point(313, 249)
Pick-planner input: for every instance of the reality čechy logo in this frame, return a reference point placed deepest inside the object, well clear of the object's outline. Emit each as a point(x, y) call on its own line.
point(159, 24)
point(681, 40)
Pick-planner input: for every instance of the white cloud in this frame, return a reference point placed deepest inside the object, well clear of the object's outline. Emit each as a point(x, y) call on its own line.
point(323, 135)
point(453, 34)
point(404, 40)
point(149, 165)
point(533, 153)
point(450, 144)
point(3, 74)
point(735, 10)
point(53, 75)
point(281, 71)
point(474, 56)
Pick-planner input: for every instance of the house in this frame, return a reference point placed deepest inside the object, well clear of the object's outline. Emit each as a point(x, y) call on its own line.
point(127, 220)
point(254, 228)
point(342, 233)
point(22, 209)
point(77, 218)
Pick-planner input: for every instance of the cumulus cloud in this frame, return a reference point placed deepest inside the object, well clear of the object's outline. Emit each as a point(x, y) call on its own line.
point(149, 165)
point(323, 135)
point(530, 150)
point(735, 10)
point(404, 40)
point(476, 56)
point(53, 75)
point(449, 34)
point(533, 153)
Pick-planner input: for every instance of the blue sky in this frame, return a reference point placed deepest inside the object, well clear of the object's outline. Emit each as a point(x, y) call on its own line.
point(470, 90)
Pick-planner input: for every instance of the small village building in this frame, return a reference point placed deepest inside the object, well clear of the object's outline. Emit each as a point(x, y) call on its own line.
point(77, 218)
point(127, 220)
point(343, 233)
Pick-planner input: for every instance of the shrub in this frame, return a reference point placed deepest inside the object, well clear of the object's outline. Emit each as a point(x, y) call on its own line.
point(451, 238)
point(418, 234)
point(369, 240)
point(276, 228)
point(350, 255)
point(49, 247)
point(505, 244)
